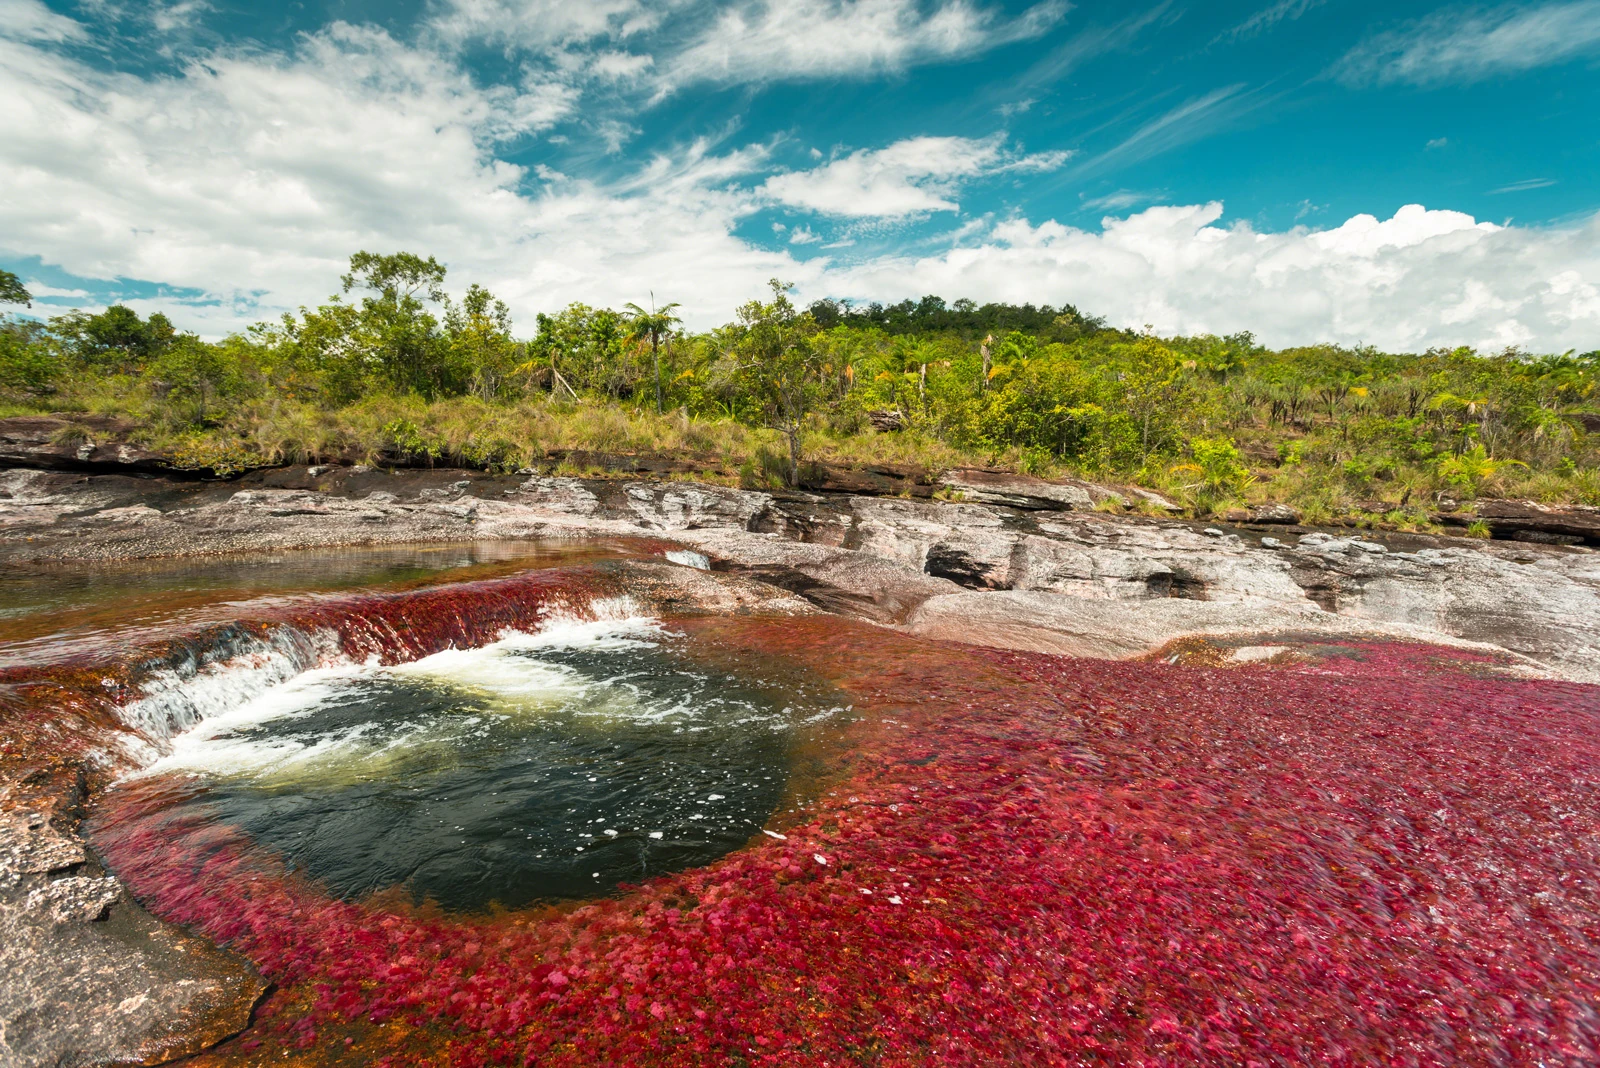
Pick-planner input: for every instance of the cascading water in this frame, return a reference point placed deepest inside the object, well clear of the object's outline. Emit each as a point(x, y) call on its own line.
point(540, 767)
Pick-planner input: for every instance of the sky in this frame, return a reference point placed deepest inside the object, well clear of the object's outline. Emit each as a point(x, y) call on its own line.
point(1403, 173)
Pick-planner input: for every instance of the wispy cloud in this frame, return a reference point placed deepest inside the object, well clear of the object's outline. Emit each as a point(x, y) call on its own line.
point(775, 40)
point(1524, 185)
point(1189, 121)
point(1081, 47)
point(1468, 45)
point(1266, 19)
point(29, 20)
point(1121, 200)
point(911, 177)
point(1437, 142)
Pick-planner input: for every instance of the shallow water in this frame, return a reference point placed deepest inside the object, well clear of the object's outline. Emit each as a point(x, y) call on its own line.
point(48, 611)
point(542, 767)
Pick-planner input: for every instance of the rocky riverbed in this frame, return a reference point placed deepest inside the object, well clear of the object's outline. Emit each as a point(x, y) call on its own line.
point(1008, 562)
point(1016, 562)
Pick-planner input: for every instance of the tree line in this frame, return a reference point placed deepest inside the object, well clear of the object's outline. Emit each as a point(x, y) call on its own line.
point(1035, 388)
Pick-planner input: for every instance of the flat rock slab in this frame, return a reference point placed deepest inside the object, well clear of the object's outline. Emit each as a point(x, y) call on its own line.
point(90, 978)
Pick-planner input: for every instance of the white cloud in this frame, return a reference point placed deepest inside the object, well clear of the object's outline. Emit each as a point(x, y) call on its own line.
point(1420, 278)
point(910, 177)
point(802, 235)
point(1437, 142)
point(1267, 18)
point(30, 20)
point(250, 177)
point(178, 15)
point(1465, 46)
point(772, 40)
point(536, 24)
point(1179, 126)
point(1524, 185)
point(1121, 200)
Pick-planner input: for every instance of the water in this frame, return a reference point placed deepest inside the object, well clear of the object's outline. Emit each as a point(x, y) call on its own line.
point(542, 767)
point(49, 611)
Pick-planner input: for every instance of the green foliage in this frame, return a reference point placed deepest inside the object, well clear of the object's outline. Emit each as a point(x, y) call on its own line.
point(396, 369)
point(12, 291)
point(778, 367)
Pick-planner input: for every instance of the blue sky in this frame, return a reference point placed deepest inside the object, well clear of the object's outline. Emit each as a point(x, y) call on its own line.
point(1403, 174)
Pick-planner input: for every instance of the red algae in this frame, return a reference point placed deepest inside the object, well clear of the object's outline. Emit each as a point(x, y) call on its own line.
point(1380, 854)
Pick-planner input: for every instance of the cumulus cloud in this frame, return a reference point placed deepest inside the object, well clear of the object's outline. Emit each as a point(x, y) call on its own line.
point(1470, 45)
point(252, 177)
point(910, 177)
point(772, 40)
point(1418, 279)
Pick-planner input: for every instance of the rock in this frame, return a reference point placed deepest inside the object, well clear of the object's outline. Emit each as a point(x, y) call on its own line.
point(1214, 532)
point(1021, 491)
point(91, 978)
point(79, 442)
point(1553, 524)
point(886, 421)
point(875, 480)
point(75, 899)
point(1280, 514)
point(876, 557)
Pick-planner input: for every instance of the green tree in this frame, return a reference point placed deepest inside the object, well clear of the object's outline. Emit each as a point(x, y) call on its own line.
point(196, 372)
point(1154, 389)
point(652, 325)
point(114, 340)
point(12, 290)
point(778, 366)
point(404, 338)
point(479, 331)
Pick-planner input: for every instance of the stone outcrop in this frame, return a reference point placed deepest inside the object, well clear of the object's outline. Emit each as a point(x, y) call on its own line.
point(90, 977)
point(1530, 521)
point(75, 443)
point(1085, 581)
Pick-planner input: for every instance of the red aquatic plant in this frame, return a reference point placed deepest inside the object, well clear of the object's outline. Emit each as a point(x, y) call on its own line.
point(1385, 854)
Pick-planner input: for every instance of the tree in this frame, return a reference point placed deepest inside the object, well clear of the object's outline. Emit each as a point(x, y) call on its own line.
point(12, 290)
point(1153, 387)
point(652, 324)
point(481, 345)
point(404, 335)
point(196, 372)
point(115, 339)
point(778, 366)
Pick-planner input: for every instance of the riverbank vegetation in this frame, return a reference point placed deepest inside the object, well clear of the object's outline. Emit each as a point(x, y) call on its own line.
point(393, 369)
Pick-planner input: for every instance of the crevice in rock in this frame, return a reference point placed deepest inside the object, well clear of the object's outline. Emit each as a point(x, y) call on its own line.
point(957, 565)
point(1177, 583)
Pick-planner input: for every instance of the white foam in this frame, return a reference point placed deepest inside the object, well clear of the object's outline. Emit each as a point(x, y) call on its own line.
point(175, 699)
point(211, 715)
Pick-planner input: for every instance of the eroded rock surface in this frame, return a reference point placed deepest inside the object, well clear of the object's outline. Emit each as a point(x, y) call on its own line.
point(90, 977)
point(1096, 583)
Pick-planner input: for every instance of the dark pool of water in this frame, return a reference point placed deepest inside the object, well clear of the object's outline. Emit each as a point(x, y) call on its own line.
point(537, 769)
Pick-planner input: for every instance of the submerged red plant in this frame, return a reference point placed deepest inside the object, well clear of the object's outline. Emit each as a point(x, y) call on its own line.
point(1384, 856)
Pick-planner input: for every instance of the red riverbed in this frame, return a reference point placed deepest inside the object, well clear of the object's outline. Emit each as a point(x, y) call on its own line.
point(1378, 855)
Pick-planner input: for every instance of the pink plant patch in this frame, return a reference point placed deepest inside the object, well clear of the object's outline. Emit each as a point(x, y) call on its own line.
point(1386, 855)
